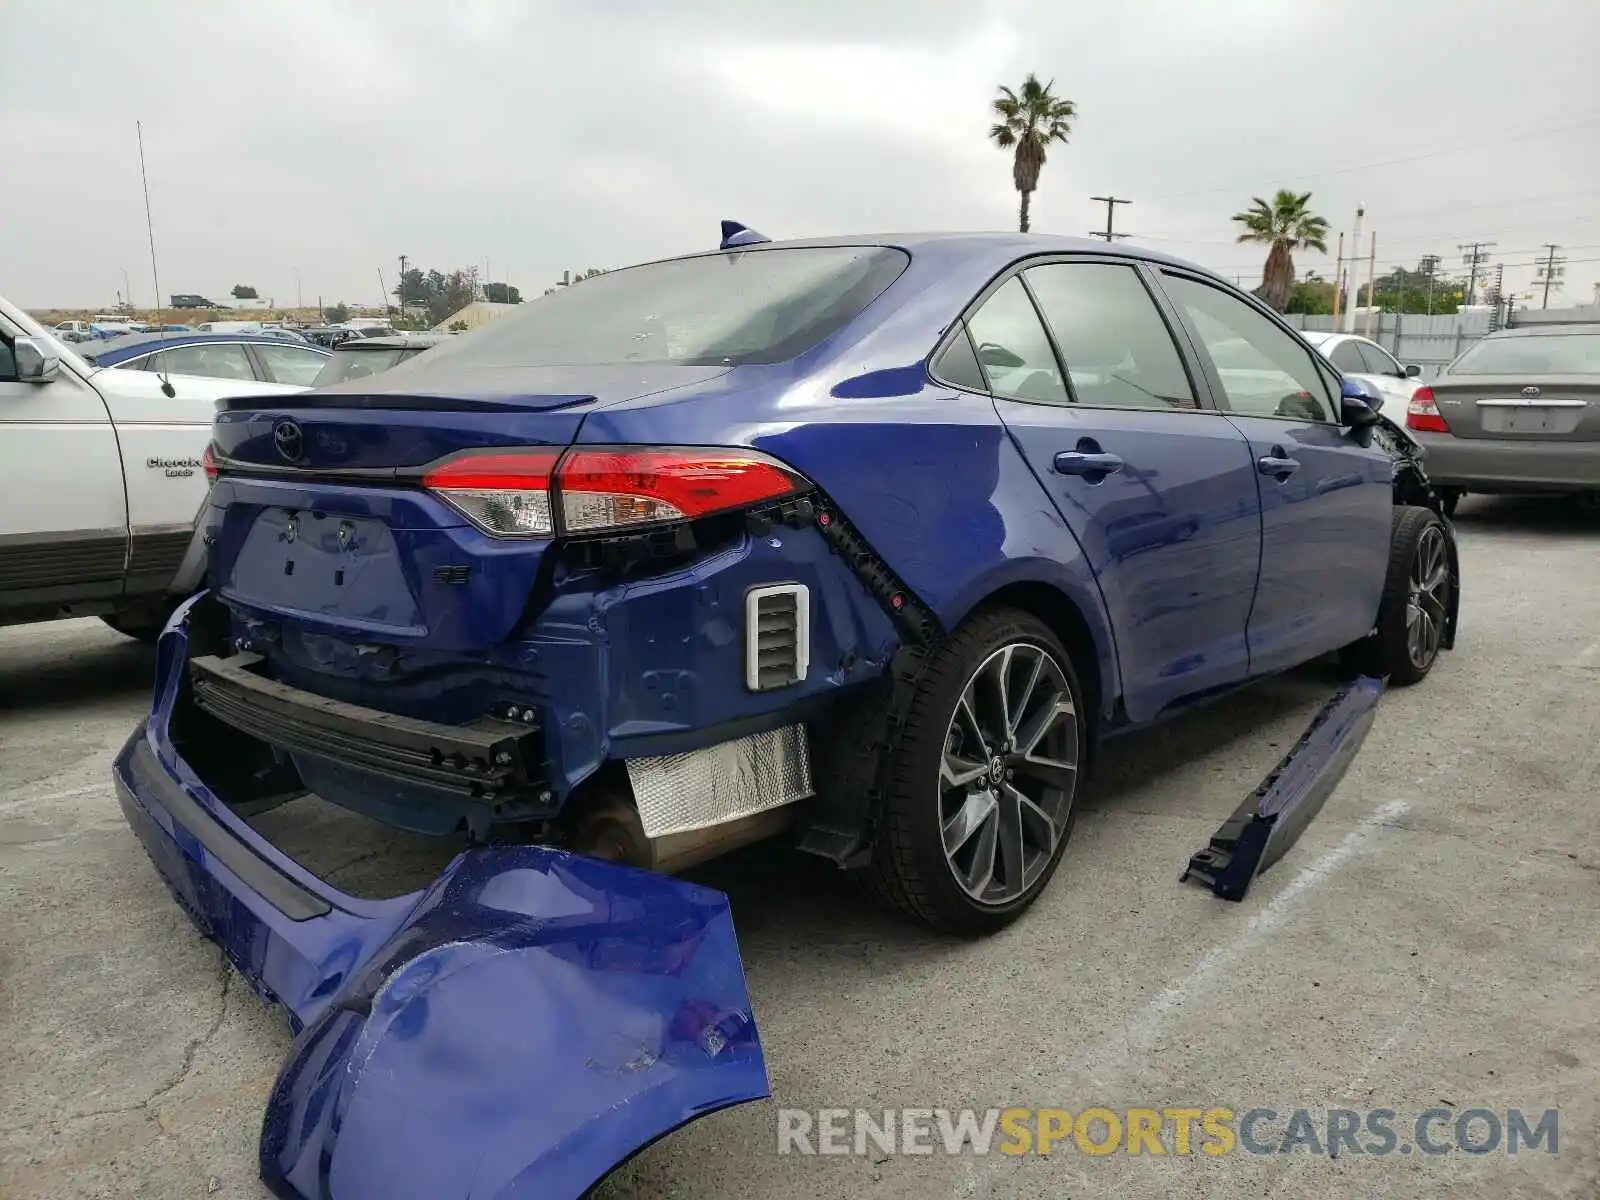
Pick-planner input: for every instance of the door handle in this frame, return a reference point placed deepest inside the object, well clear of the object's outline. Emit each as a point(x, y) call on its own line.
point(1277, 465)
point(1076, 462)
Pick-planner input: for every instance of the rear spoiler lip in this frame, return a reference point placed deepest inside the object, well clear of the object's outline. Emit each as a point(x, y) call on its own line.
point(402, 402)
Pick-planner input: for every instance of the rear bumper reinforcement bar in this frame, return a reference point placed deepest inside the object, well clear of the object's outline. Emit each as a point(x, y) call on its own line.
point(484, 760)
point(1273, 817)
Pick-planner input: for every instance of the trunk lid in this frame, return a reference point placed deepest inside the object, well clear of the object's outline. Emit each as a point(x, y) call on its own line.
point(1548, 408)
point(320, 527)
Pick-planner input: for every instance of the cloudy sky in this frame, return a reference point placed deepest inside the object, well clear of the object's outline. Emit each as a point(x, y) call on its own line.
point(301, 148)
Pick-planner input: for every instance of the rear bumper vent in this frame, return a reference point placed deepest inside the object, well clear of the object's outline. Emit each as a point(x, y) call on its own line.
point(777, 636)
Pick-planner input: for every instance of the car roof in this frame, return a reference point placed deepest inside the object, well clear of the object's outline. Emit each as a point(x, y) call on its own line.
point(398, 341)
point(133, 344)
point(1522, 331)
point(1002, 248)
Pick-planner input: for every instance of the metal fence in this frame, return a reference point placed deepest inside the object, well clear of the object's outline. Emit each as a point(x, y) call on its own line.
point(1434, 341)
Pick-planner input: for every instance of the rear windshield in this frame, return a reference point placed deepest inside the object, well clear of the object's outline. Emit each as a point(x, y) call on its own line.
point(751, 306)
point(356, 364)
point(1549, 354)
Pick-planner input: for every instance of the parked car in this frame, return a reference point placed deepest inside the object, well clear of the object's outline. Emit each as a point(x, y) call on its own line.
point(239, 356)
point(190, 300)
point(100, 480)
point(1361, 358)
point(229, 326)
point(1518, 411)
point(356, 358)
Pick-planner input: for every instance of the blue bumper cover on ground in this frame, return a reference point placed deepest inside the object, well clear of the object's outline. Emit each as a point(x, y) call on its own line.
point(516, 1030)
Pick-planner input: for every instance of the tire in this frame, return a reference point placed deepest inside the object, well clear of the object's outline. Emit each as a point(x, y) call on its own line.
point(1418, 551)
point(1032, 791)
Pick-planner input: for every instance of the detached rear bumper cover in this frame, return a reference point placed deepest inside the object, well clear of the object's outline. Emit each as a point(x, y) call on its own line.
point(518, 1029)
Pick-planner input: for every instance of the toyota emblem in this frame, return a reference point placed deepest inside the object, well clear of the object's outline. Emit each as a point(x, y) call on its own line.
point(289, 440)
point(1530, 393)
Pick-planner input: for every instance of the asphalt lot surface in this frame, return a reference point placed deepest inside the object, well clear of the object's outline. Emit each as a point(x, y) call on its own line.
point(1431, 941)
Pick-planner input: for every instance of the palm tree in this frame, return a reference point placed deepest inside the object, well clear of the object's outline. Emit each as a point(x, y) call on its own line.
point(1029, 121)
point(1285, 225)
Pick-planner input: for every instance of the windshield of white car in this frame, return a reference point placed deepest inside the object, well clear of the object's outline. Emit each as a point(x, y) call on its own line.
point(1540, 354)
point(727, 309)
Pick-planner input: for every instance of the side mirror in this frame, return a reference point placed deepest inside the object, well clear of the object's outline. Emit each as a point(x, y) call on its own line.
point(37, 361)
point(1413, 371)
point(1359, 403)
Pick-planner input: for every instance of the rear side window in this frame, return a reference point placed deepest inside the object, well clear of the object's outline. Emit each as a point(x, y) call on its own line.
point(1540, 354)
point(958, 365)
point(1347, 357)
point(731, 308)
point(1118, 350)
point(1014, 348)
point(291, 364)
point(356, 364)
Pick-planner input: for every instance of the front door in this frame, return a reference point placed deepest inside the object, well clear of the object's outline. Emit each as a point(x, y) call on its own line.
point(1159, 491)
point(1326, 500)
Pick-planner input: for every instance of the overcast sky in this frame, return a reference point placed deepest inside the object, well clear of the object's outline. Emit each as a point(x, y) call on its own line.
point(301, 148)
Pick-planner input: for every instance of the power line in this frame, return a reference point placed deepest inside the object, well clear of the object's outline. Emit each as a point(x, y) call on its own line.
point(1439, 152)
point(1111, 203)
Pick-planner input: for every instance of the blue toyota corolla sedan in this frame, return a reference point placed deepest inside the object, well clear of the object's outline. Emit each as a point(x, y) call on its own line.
point(865, 542)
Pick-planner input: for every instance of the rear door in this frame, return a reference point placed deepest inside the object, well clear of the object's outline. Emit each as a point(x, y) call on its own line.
point(1159, 490)
point(1326, 501)
point(162, 439)
point(63, 517)
point(1541, 388)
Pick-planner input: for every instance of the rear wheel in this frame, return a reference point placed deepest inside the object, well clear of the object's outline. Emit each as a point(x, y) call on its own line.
point(1417, 596)
point(983, 779)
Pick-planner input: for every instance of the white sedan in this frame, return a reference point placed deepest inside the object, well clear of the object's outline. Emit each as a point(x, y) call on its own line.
point(1362, 358)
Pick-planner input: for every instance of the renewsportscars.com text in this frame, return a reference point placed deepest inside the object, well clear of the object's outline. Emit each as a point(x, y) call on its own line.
point(1211, 1131)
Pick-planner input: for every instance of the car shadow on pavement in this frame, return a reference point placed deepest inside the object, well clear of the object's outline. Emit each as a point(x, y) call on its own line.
point(47, 678)
point(1535, 515)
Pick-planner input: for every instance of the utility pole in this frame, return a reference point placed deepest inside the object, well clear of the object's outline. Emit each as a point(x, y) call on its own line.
point(1551, 270)
point(405, 264)
point(1474, 255)
point(1430, 267)
point(1111, 203)
point(1338, 279)
point(1494, 296)
point(1349, 325)
point(1372, 278)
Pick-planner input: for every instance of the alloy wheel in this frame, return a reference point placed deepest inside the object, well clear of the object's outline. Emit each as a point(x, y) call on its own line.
point(1009, 773)
point(1427, 601)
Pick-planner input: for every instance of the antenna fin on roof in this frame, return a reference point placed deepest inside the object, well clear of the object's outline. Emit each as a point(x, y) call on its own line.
point(735, 234)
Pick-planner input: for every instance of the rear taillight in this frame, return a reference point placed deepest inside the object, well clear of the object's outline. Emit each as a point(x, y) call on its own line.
point(617, 488)
point(528, 493)
point(1423, 413)
point(208, 463)
point(505, 493)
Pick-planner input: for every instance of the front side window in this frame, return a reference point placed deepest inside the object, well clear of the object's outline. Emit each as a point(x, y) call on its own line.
point(1378, 361)
point(727, 309)
point(8, 361)
point(227, 361)
point(1014, 348)
point(1118, 350)
point(1264, 370)
point(291, 364)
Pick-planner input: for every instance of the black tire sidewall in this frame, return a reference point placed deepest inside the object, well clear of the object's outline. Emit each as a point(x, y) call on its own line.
point(913, 843)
